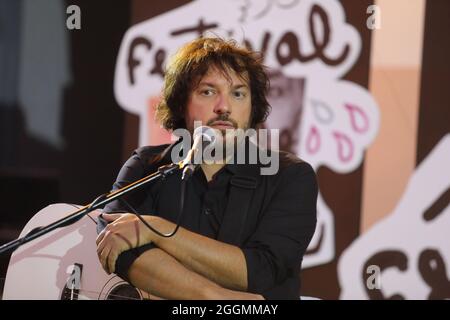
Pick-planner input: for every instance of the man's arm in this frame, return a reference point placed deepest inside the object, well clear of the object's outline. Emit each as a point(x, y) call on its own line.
point(272, 252)
point(277, 245)
point(220, 262)
point(158, 273)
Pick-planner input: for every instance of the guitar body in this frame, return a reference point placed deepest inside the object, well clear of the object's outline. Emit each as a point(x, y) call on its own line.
point(63, 264)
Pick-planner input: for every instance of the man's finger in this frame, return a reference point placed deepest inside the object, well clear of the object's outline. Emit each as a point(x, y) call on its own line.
point(103, 257)
point(110, 217)
point(101, 245)
point(100, 237)
point(112, 257)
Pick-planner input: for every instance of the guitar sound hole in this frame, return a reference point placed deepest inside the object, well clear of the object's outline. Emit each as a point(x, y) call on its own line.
point(124, 292)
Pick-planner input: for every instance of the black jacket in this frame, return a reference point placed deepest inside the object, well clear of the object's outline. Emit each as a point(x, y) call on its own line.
point(272, 218)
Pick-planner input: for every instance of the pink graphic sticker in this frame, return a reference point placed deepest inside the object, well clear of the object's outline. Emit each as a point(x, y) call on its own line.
point(313, 140)
point(358, 118)
point(344, 146)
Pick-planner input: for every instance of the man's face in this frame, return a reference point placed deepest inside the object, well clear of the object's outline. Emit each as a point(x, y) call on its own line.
point(221, 102)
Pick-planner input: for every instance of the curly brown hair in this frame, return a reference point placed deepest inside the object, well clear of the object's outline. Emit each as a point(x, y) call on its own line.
point(193, 61)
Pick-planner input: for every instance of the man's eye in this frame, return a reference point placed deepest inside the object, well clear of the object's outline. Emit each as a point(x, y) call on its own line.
point(239, 94)
point(207, 92)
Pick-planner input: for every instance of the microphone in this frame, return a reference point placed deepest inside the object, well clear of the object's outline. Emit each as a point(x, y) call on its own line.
point(203, 136)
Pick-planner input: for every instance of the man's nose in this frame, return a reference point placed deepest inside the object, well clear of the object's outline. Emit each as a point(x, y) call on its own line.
point(223, 105)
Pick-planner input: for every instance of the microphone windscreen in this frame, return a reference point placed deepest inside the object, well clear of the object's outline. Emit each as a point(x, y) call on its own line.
point(207, 134)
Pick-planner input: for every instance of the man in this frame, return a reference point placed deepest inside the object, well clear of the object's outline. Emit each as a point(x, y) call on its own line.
point(243, 234)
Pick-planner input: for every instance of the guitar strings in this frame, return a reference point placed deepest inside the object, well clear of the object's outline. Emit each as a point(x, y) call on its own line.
point(106, 295)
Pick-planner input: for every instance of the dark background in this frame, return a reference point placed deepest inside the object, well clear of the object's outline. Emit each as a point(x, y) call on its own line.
point(33, 173)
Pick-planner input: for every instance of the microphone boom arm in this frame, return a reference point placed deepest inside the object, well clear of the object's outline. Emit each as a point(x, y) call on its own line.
point(162, 172)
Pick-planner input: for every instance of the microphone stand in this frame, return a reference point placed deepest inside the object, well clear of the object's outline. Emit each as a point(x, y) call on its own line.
point(162, 172)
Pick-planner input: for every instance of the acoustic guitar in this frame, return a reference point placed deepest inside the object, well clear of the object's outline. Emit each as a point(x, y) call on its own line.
point(63, 264)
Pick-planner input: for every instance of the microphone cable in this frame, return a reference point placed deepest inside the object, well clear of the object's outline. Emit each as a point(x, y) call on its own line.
point(178, 220)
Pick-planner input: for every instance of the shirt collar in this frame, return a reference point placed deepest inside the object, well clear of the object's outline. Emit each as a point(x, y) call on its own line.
point(244, 169)
point(251, 170)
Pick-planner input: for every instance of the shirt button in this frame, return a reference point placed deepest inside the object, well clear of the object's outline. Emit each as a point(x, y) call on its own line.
point(207, 211)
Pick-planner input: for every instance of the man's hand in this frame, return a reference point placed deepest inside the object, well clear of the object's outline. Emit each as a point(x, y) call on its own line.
point(124, 232)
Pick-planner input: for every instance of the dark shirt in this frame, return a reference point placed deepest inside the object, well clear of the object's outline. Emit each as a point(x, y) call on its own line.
point(279, 225)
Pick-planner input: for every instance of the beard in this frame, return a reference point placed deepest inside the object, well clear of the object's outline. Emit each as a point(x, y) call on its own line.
point(226, 142)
